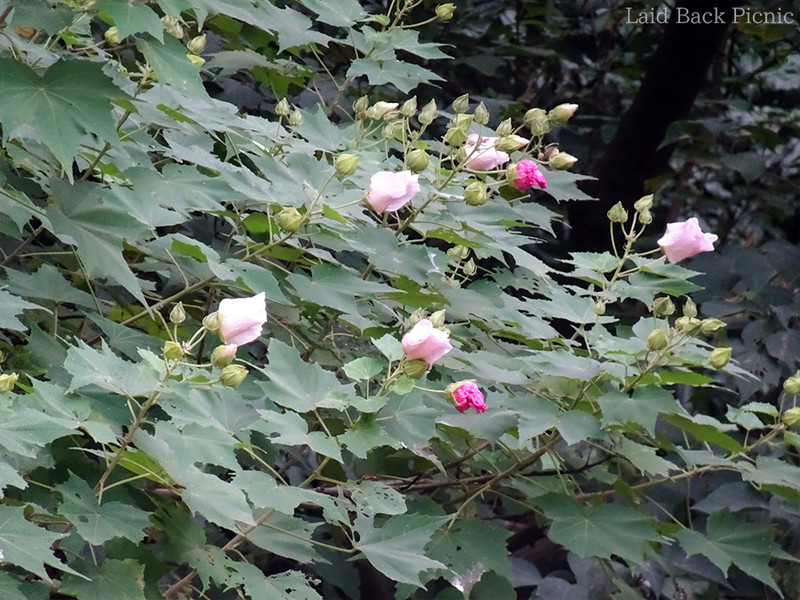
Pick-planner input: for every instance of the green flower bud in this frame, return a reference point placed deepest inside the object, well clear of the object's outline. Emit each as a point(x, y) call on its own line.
point(445, 12)
point(211, 322)
point(617, 213)
point(688, 325)
point(461, 104)
point(599, 307)
point(197, 61)
point(657, 340)
point(720, 357)
point(562, 113)
point(689, 309)
point(172, 26)
point(290, 219)
point(511, 173)
point(172, 350)
point(345, 164)
point(295, 118)
point(537, 121)
point(232, 376)
point(469, 268)
point(415, 368)
point(481, 114)
point(458, 252)
point(409, 108)
point(792, 385)
point(8, 381)
point(711, 326)
point(455, 136)
point(646, 217)
point(462, 121)
point(561, 161)
point(177, 315)
point(644, 203)
point(393, 130)
point(505, 128)
point(437, 318)
point(197, 44)
point(112, 35)
point(476, 193)
point(223, 355)
point(361, 105)
point(791, 417)
point(283, 108)
point(663, 307)
point(417, 160)
point(429, 113)
point(510, 143)
point(415, 317)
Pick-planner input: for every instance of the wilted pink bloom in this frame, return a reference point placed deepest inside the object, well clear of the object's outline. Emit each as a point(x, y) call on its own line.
point(425, 342)
point(241, 319)
point(528, 175)
point(685, 239)
point(480, 153)
point(390, 190)
point(468, 394)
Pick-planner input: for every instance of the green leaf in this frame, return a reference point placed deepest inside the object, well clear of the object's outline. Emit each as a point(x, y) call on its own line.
point(335, 287)
point(72, 99)
point(13, 306)
point(106, 370)
point(642, 408)
point(27, 545)
point(404, 76)
point(131, 17)
point(342, 13)
point(171, 65)
point(389, 346)
point(362, 369)
point(644, 458)
point(290, 429)
point(706, 429)
point(597, 531)
point(117, 579)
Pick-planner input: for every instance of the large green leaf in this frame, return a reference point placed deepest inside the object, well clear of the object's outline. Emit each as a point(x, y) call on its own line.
point(13, 306)
point(641, 408)
point(27, 545)
point(131, 17)
point(117, 579)
point(171, 65)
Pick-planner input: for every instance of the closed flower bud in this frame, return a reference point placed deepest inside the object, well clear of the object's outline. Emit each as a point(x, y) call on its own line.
point(505, 128)
point(361, 105)
point(561, 161)
point(646, 217)
point(197, 44)
point(644, 203)
point(455, 136)
point(290, 219)
point(223, 355)
point(462, 121)
point(689, 308)
point(417, 160)
point(657, 340)
point(458, 252)
point(507, 144)
point(663, 307)
point(172, 26)
point(232, 376)
point(345, 164)
point(792, 385)
point(172, 350)
point(409, 108)
point(211, 322)
point(437, 319)
point(476, 193)
point(112, 35)
point(465, 394)
point(177, 315)
point(445, 12)
point(393, 130)
point(469, 268)
point(481, 114)
point(599, 307)
point(461, 104)
point(537, 121)
point(562, 113)
point(283, 108)
point(381, 109)
point(8, 381)
point(617, 213)
point(197, 61)
point(295, 118)
point(415, 317)
point(428, 113)
point(415, 368)
point(791, 417)
point(711, 326)
point(720, 357)
point(688, 325)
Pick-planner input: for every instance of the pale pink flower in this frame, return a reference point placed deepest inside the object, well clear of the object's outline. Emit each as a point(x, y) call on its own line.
point(390, 190)
point(685, 239)
point(425, 342)
point(241, 319)
point(468, 394)
point(480, 153)
point(528, 175)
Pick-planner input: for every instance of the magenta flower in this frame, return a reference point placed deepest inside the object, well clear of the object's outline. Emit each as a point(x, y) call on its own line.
point(241, 319)
point(468, 394)
point(685, 239)
point(425, 342)
point(528, 175)
point(390, 190)
point(480, 153)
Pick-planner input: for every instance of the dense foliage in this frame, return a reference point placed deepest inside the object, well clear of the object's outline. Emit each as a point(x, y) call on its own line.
point(344, 452)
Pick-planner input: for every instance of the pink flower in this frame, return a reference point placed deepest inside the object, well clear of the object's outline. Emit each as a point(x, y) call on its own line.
point(468, 394)
point(480, 153)
point(528, 175)
point(241, 319)
point(389, 190)
point(425, 342)
point(685, 239)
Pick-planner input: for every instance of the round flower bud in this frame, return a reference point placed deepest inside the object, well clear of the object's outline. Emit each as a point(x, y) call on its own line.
point(417, 160)
point(381, 109)
point(711, 326)
point(8, 381)
point(429, 113)
point(617, 213)
point(720, 357)
point(295, 118)
point(646, 217)
point(361, 105)
point(561, 161)
point(688, 325)
point(409, 108)
point(663, 307)
point(505, 128)
point(689, 309)
point(211, 322)
point(112, 35)
point(599, 307)
point(177, 315)
point(644, 203)
point(469, 268)
point(290, 219)
point(172, 350)
point(197, 44)
point(172, 26)
point(462, 121)
point(458, 252)
point(537, 121)
point(197, 61)
point(562, 113)
point(476, 193)
point(232, 376)
point(657, 340)
point(345, 164)
point(437, 319)
point(282, 108)
point(461, 104)
point(792, 385)
point(791, 417)
point(455, 136)
point(481, 114)
point(223, 355)
point(445, 12)
point(415, 368)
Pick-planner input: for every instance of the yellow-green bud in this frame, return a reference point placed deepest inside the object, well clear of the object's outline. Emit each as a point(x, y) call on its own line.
point(282, 108)
point(663, 307)
point(461, 104)
point(290, 219)
point(720, 357)
point(361, 105)
point(8, 381)
point(481, 114)
point(409, 108)
point(792, 385)
point(644, 203)
point(657, 340)
point(509, 143)
point(112, 35)
point(445, 12)
point(561, 161)
point(428, 113)
point(469, 268)
point(505, 128)
point(537, 121)
point(177, 315)
point(689, 309)
point(711, 326)
point(617, 213)
point(345, 164)
point(437, 319)
point(211, 322)
point(172, 26)
point(381, 109)
point(223, 355)
point(599, 307)
point(232, 376)
point(295, 118)
point(415, 317)
point(393, 130)
point(562, 113)
point(415, 368)
point(417, 160)
point(455, 136)
point(458, 252)
point(791, 417)
point(172, 350)
point(688, 325)
point(476, 193)
point(645, 217)
point(462, 121)
point(197, 61)
point(197, 44)
point(511, 173)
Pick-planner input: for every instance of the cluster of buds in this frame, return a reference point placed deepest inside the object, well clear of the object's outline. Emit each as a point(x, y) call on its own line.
point(172, 26)
point(643, 206)
point(195, 47)
point(294, 116)
point(791, 417)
